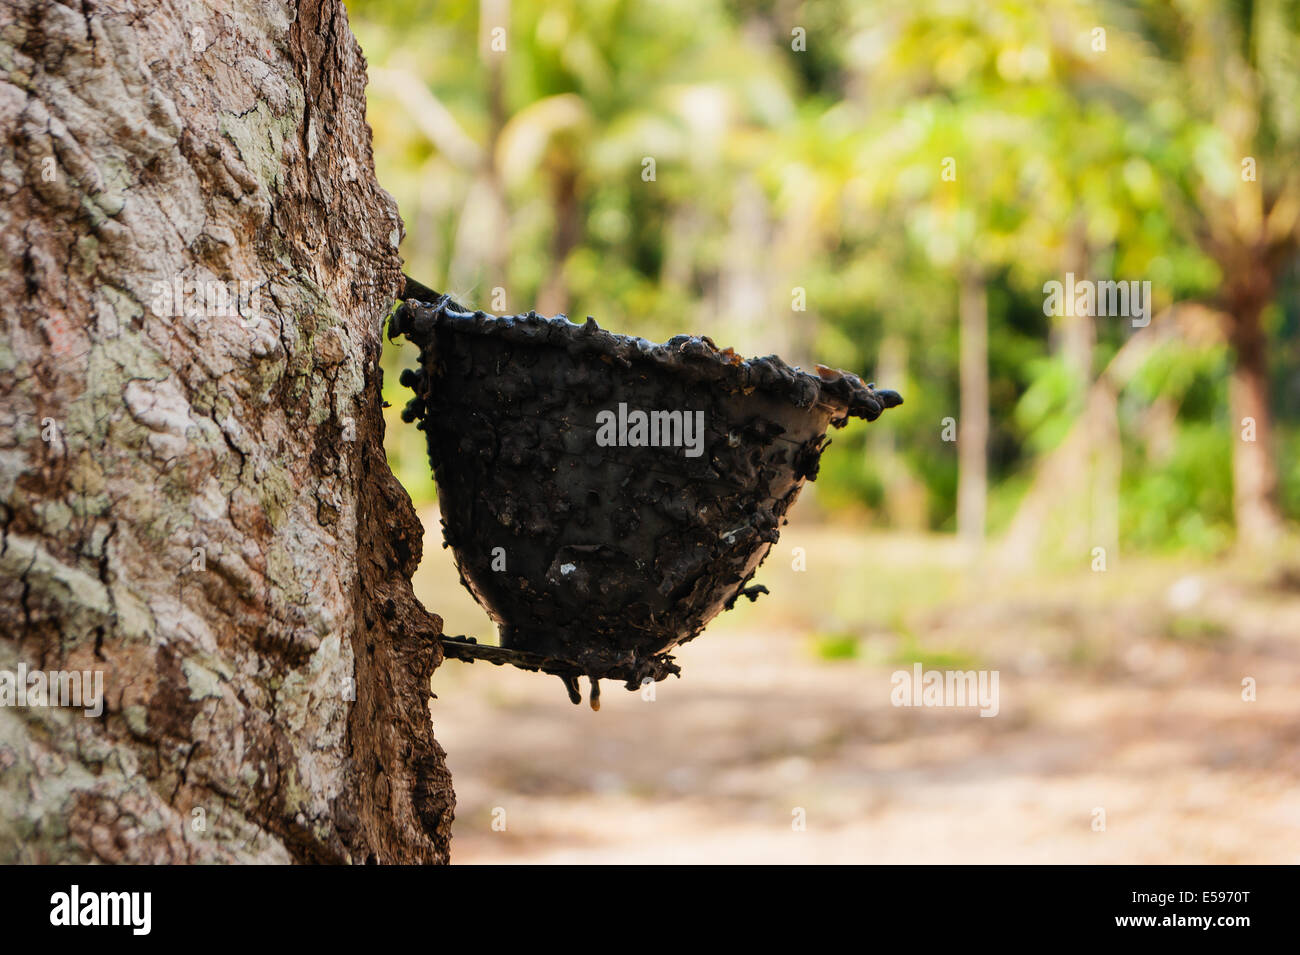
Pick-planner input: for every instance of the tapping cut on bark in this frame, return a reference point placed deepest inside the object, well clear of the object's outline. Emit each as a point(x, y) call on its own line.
point(597, 557)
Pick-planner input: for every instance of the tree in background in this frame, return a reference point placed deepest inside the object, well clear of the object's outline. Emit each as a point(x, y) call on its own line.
point(798, 205)
point(1222, 80)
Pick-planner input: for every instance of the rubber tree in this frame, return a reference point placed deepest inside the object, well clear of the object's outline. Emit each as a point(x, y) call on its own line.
point(1232, 182)
point(195, 264)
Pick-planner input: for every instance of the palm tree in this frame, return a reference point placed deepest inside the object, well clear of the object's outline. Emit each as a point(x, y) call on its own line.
point(1234, 185)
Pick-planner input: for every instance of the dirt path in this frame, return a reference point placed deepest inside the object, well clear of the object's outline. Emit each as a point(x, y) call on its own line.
point(762, 731)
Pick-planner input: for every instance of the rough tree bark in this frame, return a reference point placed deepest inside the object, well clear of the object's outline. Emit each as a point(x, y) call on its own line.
point(196, 503)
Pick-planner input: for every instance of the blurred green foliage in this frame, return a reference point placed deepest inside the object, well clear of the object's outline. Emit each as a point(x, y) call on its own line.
point(802, 147)
point(835, 646)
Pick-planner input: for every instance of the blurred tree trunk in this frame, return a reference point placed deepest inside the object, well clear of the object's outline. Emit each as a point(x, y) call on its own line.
point(481, 251)
point(1253, 240)
point(1035, 526)
point(973, 426)
point(1077, 333)
point(905, 498)
point(1251, 230)
point(1254, 470)
point(1076, 340)
point(195, 502)
point(554, 296)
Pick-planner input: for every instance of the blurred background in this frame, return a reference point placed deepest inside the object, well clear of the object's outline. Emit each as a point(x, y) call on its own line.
point(1102, 512)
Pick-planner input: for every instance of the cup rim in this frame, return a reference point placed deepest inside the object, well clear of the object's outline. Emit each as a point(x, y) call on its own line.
point(694, 357)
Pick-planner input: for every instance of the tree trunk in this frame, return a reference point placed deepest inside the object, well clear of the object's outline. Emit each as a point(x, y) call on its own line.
point(554, 296)
point(481, 252)
point(973, 427)
point(1254, 471)
point(196, 503)
point(1074, 343)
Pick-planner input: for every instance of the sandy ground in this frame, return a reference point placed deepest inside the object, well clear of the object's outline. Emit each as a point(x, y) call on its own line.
point(1120, 696)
